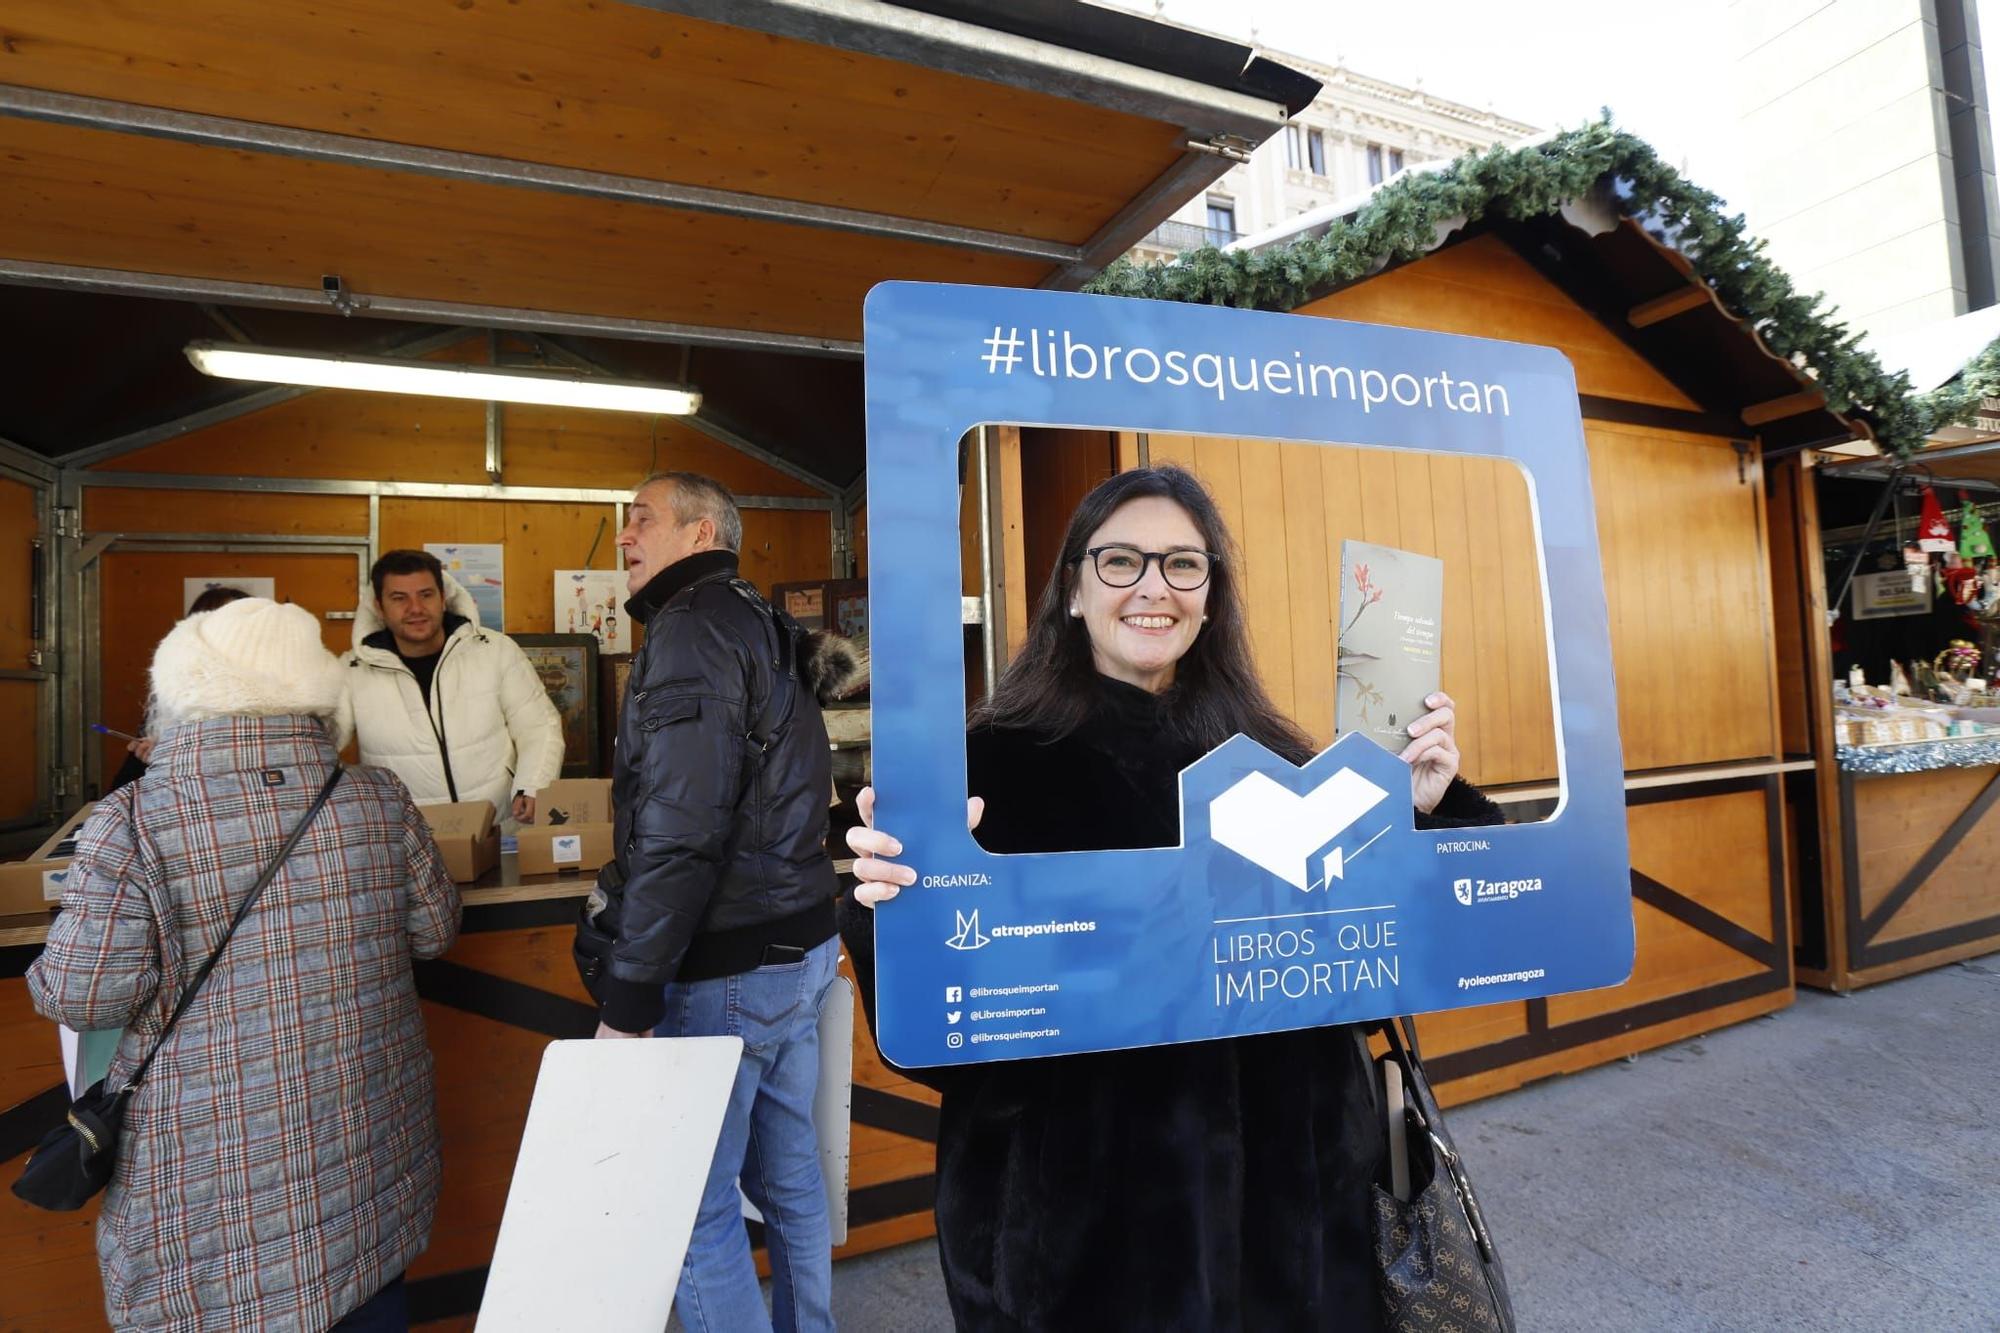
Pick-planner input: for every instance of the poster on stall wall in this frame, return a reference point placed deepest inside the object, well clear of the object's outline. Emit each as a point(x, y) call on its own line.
point(481, 571)
point(592, 601)
point(249, 587)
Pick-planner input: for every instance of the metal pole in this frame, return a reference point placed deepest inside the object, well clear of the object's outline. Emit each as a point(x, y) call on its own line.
point(48, 654)
point(1867, 535)
point(71, 664)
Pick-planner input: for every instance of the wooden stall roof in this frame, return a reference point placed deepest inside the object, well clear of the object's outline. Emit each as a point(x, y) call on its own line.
point(1648, 294)
point(628, 164)
point(729, 176)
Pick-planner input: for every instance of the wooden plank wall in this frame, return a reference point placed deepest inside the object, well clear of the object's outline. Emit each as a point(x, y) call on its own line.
point(387, 437)
point(1058, 468)
point(1796, 678)
point(1679, 522)
point(363, 436)
point(1685, 549)
point(1290, 506)
point(19, 699)
point(140, 598)
point(1481, 287)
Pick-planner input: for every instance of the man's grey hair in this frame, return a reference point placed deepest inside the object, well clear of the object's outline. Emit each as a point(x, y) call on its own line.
point(696, 497)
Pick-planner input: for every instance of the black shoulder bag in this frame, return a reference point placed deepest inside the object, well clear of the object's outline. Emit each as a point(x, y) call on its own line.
point(1435, 1264)
point(73, 1161)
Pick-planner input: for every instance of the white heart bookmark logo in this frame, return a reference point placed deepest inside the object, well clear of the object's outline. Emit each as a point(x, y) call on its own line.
point(1278, 829)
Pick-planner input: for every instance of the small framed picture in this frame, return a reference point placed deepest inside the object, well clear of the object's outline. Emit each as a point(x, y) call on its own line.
point(803, 602)
point(567, 665)
point(847, 605)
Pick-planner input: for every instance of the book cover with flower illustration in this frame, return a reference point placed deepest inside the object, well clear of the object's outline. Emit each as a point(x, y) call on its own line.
point(1391, 608)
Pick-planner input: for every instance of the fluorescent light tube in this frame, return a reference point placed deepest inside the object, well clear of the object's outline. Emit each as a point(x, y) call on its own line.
point(438, 379)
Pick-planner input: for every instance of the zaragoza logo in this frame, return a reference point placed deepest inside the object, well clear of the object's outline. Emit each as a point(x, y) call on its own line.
point(1281, 830)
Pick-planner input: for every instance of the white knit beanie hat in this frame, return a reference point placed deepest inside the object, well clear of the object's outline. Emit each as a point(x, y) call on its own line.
point(251, 658)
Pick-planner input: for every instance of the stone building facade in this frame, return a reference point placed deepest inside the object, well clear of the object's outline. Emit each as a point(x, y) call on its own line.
point(1357, 133)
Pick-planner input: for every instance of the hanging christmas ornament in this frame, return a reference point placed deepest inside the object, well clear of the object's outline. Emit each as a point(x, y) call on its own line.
point(1973, 543)
point(1963, 581)
point(1918, 564)
point(1933, 529)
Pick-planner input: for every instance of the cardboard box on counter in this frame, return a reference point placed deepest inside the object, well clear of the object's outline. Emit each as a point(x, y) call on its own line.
point(466, 837)
point(36, 884)
point(572, 828)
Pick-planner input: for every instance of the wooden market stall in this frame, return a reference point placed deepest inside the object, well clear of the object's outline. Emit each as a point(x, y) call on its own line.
point(676, 191)
point(1904, 835)
point(1680, 403)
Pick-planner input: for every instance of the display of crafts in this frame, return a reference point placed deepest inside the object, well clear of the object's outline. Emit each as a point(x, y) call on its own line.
point(1925, 701)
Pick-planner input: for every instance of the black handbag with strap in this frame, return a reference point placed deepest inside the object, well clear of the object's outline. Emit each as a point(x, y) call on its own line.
point(1436, 1267)
point(74, 1160)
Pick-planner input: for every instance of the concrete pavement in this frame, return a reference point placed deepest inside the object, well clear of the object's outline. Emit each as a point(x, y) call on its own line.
point(1835, 1167)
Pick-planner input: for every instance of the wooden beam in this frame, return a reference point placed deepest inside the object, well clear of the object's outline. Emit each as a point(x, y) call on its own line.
point(1777, 409)
point(1009, 543)
point(1648, 313)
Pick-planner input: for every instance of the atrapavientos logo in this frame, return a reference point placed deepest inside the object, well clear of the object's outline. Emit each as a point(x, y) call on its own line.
point(966, 933)
point(968, 936)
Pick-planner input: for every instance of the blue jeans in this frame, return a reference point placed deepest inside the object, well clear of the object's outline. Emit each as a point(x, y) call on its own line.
point(768, 1141)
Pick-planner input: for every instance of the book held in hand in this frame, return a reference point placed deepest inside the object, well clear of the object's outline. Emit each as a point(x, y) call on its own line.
point(1391, 605)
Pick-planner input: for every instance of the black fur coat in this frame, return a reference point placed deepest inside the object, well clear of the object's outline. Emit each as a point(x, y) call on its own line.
point(1212, 1185)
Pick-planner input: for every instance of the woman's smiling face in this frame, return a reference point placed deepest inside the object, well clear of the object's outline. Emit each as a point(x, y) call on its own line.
point(1137, 634)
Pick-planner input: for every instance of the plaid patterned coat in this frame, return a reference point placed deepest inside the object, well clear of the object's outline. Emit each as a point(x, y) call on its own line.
point(280, 1162)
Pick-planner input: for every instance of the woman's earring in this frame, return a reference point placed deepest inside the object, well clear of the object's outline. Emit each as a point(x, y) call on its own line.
point(1204, 620)
point(1073, 609)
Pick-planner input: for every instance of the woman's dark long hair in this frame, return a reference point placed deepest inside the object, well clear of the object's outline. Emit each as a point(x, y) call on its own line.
point(1051, 685)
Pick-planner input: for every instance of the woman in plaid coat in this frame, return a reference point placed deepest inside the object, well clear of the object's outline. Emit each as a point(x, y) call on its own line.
point(279, 1165)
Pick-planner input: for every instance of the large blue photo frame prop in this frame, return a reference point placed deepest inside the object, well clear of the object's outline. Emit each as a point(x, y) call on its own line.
point(1298, 897)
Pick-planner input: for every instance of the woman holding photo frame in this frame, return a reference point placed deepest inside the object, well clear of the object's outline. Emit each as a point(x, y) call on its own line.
point(1214, 1185)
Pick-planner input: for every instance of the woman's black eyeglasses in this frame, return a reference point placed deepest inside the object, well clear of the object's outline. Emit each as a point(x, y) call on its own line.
point(1123, 566)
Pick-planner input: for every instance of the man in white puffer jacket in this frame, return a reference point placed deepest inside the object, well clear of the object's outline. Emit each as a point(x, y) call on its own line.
point(452, 709)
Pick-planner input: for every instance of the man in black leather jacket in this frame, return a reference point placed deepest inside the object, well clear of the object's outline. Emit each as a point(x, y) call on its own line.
point(716, 915)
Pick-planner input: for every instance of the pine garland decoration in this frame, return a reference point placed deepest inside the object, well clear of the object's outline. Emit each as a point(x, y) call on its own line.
point(1406, 218)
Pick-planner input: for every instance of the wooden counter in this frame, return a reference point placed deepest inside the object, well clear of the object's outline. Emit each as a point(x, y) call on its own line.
point(505, 990)
point(1918, 877)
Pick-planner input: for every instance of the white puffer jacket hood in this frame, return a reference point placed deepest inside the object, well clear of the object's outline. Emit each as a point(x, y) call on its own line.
point(488, 710)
